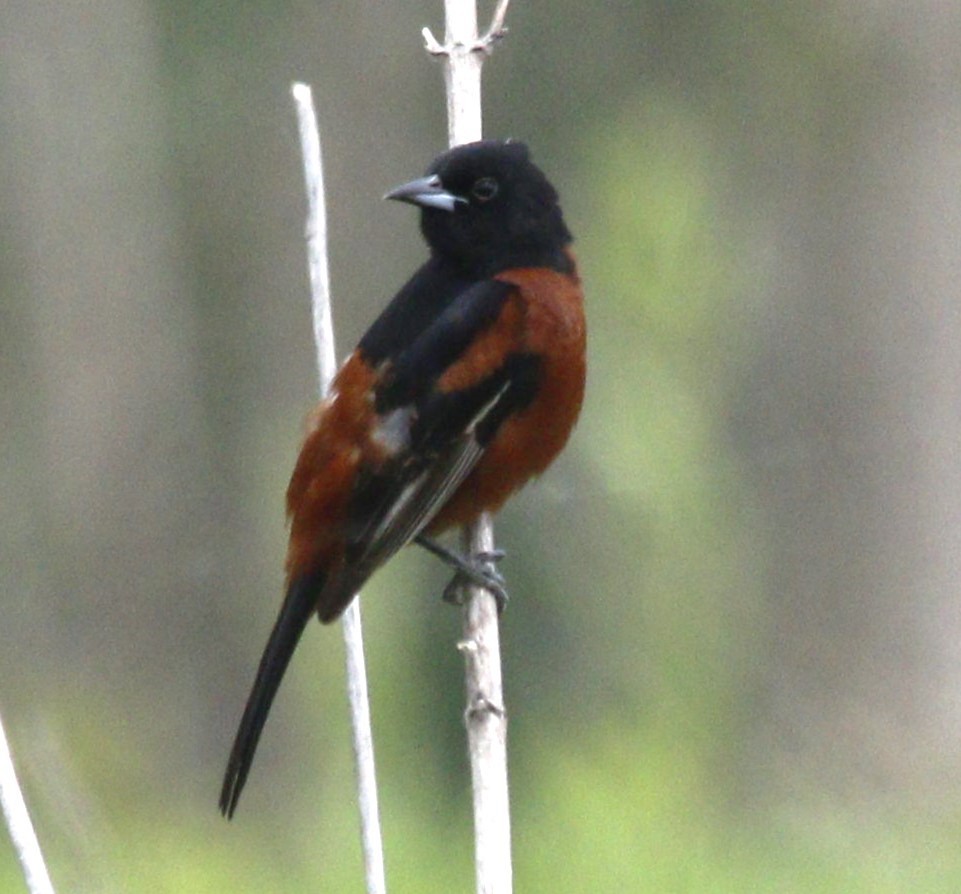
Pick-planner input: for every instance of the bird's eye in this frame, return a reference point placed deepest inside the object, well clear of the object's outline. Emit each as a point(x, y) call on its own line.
point(484, 189)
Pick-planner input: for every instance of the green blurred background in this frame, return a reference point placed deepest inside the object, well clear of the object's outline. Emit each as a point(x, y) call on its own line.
point(733, 654)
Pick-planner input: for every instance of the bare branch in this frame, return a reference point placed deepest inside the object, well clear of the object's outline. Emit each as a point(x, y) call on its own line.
point(485, 44)
point(431, 44)
point(485, 716)
point(370, 834)
point(18, 822)
point(371, 840)
point(316, 233)
point(486, 720)
point(497, 29)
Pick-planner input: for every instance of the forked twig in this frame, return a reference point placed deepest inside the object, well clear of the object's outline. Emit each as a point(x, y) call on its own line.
point(495, 32)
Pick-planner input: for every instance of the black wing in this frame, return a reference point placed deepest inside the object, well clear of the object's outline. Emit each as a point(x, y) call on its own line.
point(435, 438)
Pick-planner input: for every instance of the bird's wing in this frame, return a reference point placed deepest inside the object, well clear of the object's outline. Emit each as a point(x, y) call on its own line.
point(439, 403)
point(408, 498)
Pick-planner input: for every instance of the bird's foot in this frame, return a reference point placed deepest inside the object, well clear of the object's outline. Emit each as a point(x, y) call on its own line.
point(481, 575)
point(476, 571)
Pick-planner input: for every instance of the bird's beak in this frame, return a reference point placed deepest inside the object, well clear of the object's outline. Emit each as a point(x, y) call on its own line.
point(426, 192)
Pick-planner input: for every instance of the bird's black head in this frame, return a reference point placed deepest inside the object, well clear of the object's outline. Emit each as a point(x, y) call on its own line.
point(487, 207)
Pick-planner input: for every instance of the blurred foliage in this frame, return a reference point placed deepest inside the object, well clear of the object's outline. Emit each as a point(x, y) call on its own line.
point(156, 358)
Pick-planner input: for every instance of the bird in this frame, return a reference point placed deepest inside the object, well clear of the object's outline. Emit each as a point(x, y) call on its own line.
point(467, 385)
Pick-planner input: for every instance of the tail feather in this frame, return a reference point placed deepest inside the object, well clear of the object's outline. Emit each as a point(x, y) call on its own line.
point(299, 604)
point(337, 595)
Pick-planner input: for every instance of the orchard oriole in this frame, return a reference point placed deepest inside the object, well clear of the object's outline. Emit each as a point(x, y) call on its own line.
point(466, 386)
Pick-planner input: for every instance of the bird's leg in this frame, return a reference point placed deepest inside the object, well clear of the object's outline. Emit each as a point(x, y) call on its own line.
point(480, 571)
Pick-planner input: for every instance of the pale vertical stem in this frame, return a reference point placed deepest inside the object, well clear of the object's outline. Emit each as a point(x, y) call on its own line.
point(18, 822)
point(485, 716)
point(371, 842)
point(462, 72)
point(370, 835)
point(486, 721)
point(316, 234)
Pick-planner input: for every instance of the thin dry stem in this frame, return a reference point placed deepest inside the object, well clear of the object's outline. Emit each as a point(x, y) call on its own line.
point(371, 840)
point(485, 716)
point(18, 822)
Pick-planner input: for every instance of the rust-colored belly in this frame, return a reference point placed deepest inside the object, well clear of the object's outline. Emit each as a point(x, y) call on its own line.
point(552, 327)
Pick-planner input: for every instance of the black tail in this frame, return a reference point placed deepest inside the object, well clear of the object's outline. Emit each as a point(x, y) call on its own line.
point(299, 605)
